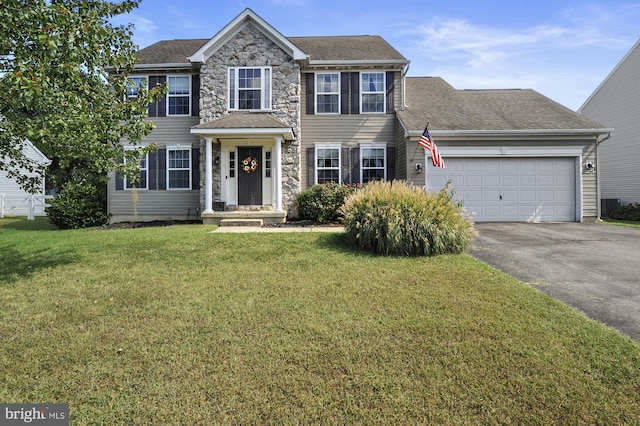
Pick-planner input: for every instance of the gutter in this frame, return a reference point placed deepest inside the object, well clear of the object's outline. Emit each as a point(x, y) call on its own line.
point(405, 71)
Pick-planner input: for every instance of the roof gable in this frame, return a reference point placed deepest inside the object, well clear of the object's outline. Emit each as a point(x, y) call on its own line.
point(233, 27)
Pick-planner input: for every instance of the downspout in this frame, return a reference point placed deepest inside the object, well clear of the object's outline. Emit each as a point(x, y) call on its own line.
point(599, 202)
point(404, 86)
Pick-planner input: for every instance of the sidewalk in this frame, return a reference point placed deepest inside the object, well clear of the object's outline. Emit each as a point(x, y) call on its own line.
point(280, 229)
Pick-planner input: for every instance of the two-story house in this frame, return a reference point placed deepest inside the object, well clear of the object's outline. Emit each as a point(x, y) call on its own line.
point(252, 118)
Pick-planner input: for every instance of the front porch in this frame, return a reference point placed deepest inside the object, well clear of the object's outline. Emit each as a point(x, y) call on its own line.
point(244, 216)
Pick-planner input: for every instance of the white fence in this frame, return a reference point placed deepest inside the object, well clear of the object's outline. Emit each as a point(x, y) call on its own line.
point(17, 206)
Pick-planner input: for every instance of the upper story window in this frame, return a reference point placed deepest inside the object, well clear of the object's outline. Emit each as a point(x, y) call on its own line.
point(179, 95)
point(179, 167)
point(373, 161)
point(143, 181)
point(327, 93)
point(250, 88)
point(372, 93)
point(328, 163)
point(133, 86)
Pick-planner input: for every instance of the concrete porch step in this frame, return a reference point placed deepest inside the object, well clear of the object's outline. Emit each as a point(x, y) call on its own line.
point(241, 222)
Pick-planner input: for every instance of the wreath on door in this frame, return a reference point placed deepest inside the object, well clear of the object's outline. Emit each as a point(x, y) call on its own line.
point(249, 164)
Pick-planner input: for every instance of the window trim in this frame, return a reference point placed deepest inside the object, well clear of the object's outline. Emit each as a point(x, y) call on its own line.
point(169, 95)
point(266, 88)
point(373, 145)
point(337, 146)
point(382, 92)
point(317, 92)
point(180, 147)
point(143, 79)
point(145, 170)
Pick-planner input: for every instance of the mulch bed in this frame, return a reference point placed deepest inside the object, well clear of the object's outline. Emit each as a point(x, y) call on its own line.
point(156, 223)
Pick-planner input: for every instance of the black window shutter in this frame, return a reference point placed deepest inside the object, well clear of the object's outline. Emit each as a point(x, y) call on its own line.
point(159, 108)
point(162, 169)
point(391, 163)
point(346, 166)
point(344, 93)
point(153, 170)
point(195, 95)
point(355, 165)
point(355, 93)
point(153, 108)
point(119, 182)
point(195, 168)
point(311, 167)
point(310, 93)
point(390, 89)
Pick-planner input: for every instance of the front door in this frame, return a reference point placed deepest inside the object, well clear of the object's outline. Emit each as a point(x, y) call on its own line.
point(249, 175)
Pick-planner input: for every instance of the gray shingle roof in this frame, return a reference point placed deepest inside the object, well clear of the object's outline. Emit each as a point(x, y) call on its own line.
point(244, 120)
point(431, 99)
point(319, 48)
point(169, 51)
point(347, 48)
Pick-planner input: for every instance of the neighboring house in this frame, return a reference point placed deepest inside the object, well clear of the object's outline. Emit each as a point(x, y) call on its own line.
point(253, 117)
point(616, 103)
point(14, 201)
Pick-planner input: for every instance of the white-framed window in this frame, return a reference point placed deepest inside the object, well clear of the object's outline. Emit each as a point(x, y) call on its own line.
point(328, 93)
point(179, 167)
point(373, 162)
point(250, 88)
point(372, 92)
point(328, 163)
point(134, 84)
point(143, 181)
point(179, 95)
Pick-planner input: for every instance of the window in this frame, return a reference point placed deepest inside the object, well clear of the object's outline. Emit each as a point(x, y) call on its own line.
point(250, 88)
point(373, 162)
point(232, 164)
point(143, 181)
point(372, 92)
point(327, 93)
point(267, 164)
point(328, 163)
point(179, 96)
point(133, 86)
point(179, 167)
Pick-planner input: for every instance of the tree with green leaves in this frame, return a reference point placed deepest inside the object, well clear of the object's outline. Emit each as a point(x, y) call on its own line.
point(64, 86)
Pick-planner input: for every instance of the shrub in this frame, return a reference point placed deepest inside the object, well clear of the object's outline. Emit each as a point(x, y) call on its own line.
point(77, 205)
point(322, 203)
point(627, 212)
point(401, 219)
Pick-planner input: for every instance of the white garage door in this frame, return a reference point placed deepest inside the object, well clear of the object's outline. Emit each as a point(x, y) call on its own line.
point(511, 189)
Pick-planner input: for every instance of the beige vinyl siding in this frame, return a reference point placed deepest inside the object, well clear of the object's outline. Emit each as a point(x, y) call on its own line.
point(350, 130)
point(401, 153)
point(158, 204)
point(616, 104)
point(589, 183)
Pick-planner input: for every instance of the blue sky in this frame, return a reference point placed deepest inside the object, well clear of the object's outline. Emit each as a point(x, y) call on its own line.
point(562, 49)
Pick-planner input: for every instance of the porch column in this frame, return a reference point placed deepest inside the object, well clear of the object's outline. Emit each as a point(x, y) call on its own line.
point(208, 176)
point(278, 162)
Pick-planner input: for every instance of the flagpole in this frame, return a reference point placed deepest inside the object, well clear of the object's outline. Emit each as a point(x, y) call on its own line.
point(417, 146)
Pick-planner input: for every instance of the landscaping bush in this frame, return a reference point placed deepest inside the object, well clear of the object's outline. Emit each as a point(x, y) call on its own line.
point(400, 219)
point(322, 203)
point(77, 205)
point(628, 212)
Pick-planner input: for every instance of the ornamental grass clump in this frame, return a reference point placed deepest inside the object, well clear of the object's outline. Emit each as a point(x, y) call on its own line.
point(395, 218)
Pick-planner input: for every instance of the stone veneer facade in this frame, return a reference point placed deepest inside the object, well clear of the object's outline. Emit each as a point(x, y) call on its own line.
point(250, 47)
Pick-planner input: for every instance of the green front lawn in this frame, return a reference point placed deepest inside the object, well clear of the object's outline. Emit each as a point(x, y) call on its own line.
point(178, 325)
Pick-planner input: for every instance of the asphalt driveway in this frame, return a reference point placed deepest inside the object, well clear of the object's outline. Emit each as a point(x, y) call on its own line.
point(592, 267)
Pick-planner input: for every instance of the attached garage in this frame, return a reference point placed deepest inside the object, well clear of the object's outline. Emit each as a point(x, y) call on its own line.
point(512, 155)
point(513, 189)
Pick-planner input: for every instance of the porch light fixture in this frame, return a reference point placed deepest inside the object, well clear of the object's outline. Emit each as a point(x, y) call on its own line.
point(217, 160)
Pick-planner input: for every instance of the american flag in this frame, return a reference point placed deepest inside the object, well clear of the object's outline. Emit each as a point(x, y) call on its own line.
point(427, 143)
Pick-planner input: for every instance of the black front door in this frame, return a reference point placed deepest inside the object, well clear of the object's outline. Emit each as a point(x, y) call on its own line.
point(249, 175)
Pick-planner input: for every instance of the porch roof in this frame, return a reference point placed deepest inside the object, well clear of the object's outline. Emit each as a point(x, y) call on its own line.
point(245, 124)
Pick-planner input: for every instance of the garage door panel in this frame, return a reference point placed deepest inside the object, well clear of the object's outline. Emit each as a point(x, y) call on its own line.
point(511, 189)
